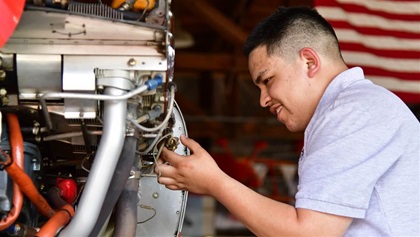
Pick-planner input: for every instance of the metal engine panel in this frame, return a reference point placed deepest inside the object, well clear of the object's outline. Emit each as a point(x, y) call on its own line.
point(85, 79)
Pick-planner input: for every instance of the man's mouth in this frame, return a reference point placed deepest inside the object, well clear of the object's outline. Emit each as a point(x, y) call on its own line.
point(276, 110)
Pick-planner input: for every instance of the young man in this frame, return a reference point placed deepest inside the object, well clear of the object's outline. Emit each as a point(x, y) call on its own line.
point(359, 169)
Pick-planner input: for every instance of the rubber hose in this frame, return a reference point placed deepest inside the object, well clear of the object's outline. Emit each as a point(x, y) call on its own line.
point(126, 209)
point(16, 144)
point(58, 220)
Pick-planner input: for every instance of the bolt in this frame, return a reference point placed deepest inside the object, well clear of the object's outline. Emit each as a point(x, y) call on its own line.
point(3, 92)
point(2, 75)
point(5, 101)
point(172, 143)
point(155, 195)
point(132, 62)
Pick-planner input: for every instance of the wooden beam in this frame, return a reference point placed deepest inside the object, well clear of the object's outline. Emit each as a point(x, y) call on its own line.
point(189, 107)
point(209, 62)
point(217, 20)
point(198, 129)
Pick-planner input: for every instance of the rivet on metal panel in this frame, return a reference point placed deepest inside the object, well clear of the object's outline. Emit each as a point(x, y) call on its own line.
point(132, 62)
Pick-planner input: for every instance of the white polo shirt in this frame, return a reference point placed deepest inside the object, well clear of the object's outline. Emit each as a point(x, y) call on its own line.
point(361, 159)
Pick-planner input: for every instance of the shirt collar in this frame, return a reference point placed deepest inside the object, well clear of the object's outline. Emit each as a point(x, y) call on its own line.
point(339, 83)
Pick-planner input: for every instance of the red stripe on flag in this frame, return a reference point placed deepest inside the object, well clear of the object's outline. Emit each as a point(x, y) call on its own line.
point(374, 30)
point(387, 53)
point(409, 98)
point(409, 76)
point(354, 8)
point(397, 37)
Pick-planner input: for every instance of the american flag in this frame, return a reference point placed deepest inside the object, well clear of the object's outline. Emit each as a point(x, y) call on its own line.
point(382, 37)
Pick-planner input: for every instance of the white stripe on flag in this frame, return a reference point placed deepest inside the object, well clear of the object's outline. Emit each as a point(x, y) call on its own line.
point(395, 84)
point(394, 7)
point(366, 20)
point(377, 42)
point(392, 64)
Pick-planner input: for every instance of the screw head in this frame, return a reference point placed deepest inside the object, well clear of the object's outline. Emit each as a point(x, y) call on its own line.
point(2, 75)
point(132, 62)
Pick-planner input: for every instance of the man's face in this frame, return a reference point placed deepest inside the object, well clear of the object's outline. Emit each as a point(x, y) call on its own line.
point(285, 88)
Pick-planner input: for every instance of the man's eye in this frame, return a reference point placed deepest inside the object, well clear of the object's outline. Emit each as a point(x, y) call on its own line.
point(265, 82)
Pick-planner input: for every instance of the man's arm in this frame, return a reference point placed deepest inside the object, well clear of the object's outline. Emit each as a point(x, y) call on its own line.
point(199, 173)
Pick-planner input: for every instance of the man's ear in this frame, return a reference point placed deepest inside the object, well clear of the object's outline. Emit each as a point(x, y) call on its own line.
point(312, 59)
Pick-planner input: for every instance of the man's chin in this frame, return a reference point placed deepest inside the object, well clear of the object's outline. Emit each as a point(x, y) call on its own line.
point(292, 127)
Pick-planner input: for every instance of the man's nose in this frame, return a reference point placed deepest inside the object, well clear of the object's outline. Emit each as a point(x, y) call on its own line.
point(264, 99)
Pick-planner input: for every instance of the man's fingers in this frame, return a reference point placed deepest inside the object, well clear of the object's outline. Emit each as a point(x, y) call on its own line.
point(190, 143)
point(166, 180)
point(160, 161)
point(170, 183)
point(168, 171)
point(173, 187)
point(168, 156)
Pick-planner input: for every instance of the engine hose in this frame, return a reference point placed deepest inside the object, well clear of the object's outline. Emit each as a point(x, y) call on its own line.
point(54, 195)
point(16, 144)
point(17, 207)
point(28, 188)
point(120, 177)
point(126, 209)
point(18, 175)
point(61, 217)
point(26, 184)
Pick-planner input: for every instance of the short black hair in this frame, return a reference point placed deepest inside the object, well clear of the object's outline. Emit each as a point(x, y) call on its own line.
point(286, 25)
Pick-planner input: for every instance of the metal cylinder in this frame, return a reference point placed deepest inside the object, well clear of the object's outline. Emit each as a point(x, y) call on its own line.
point(106, 160)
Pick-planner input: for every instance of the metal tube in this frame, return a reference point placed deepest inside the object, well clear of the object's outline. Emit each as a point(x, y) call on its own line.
point(65, 95)
point(69, 135)
point(149, 85)
point(103, 167)
point(120, 177)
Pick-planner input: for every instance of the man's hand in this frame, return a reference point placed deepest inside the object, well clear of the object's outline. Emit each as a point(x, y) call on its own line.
point(196, 173)
point(199, 173)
